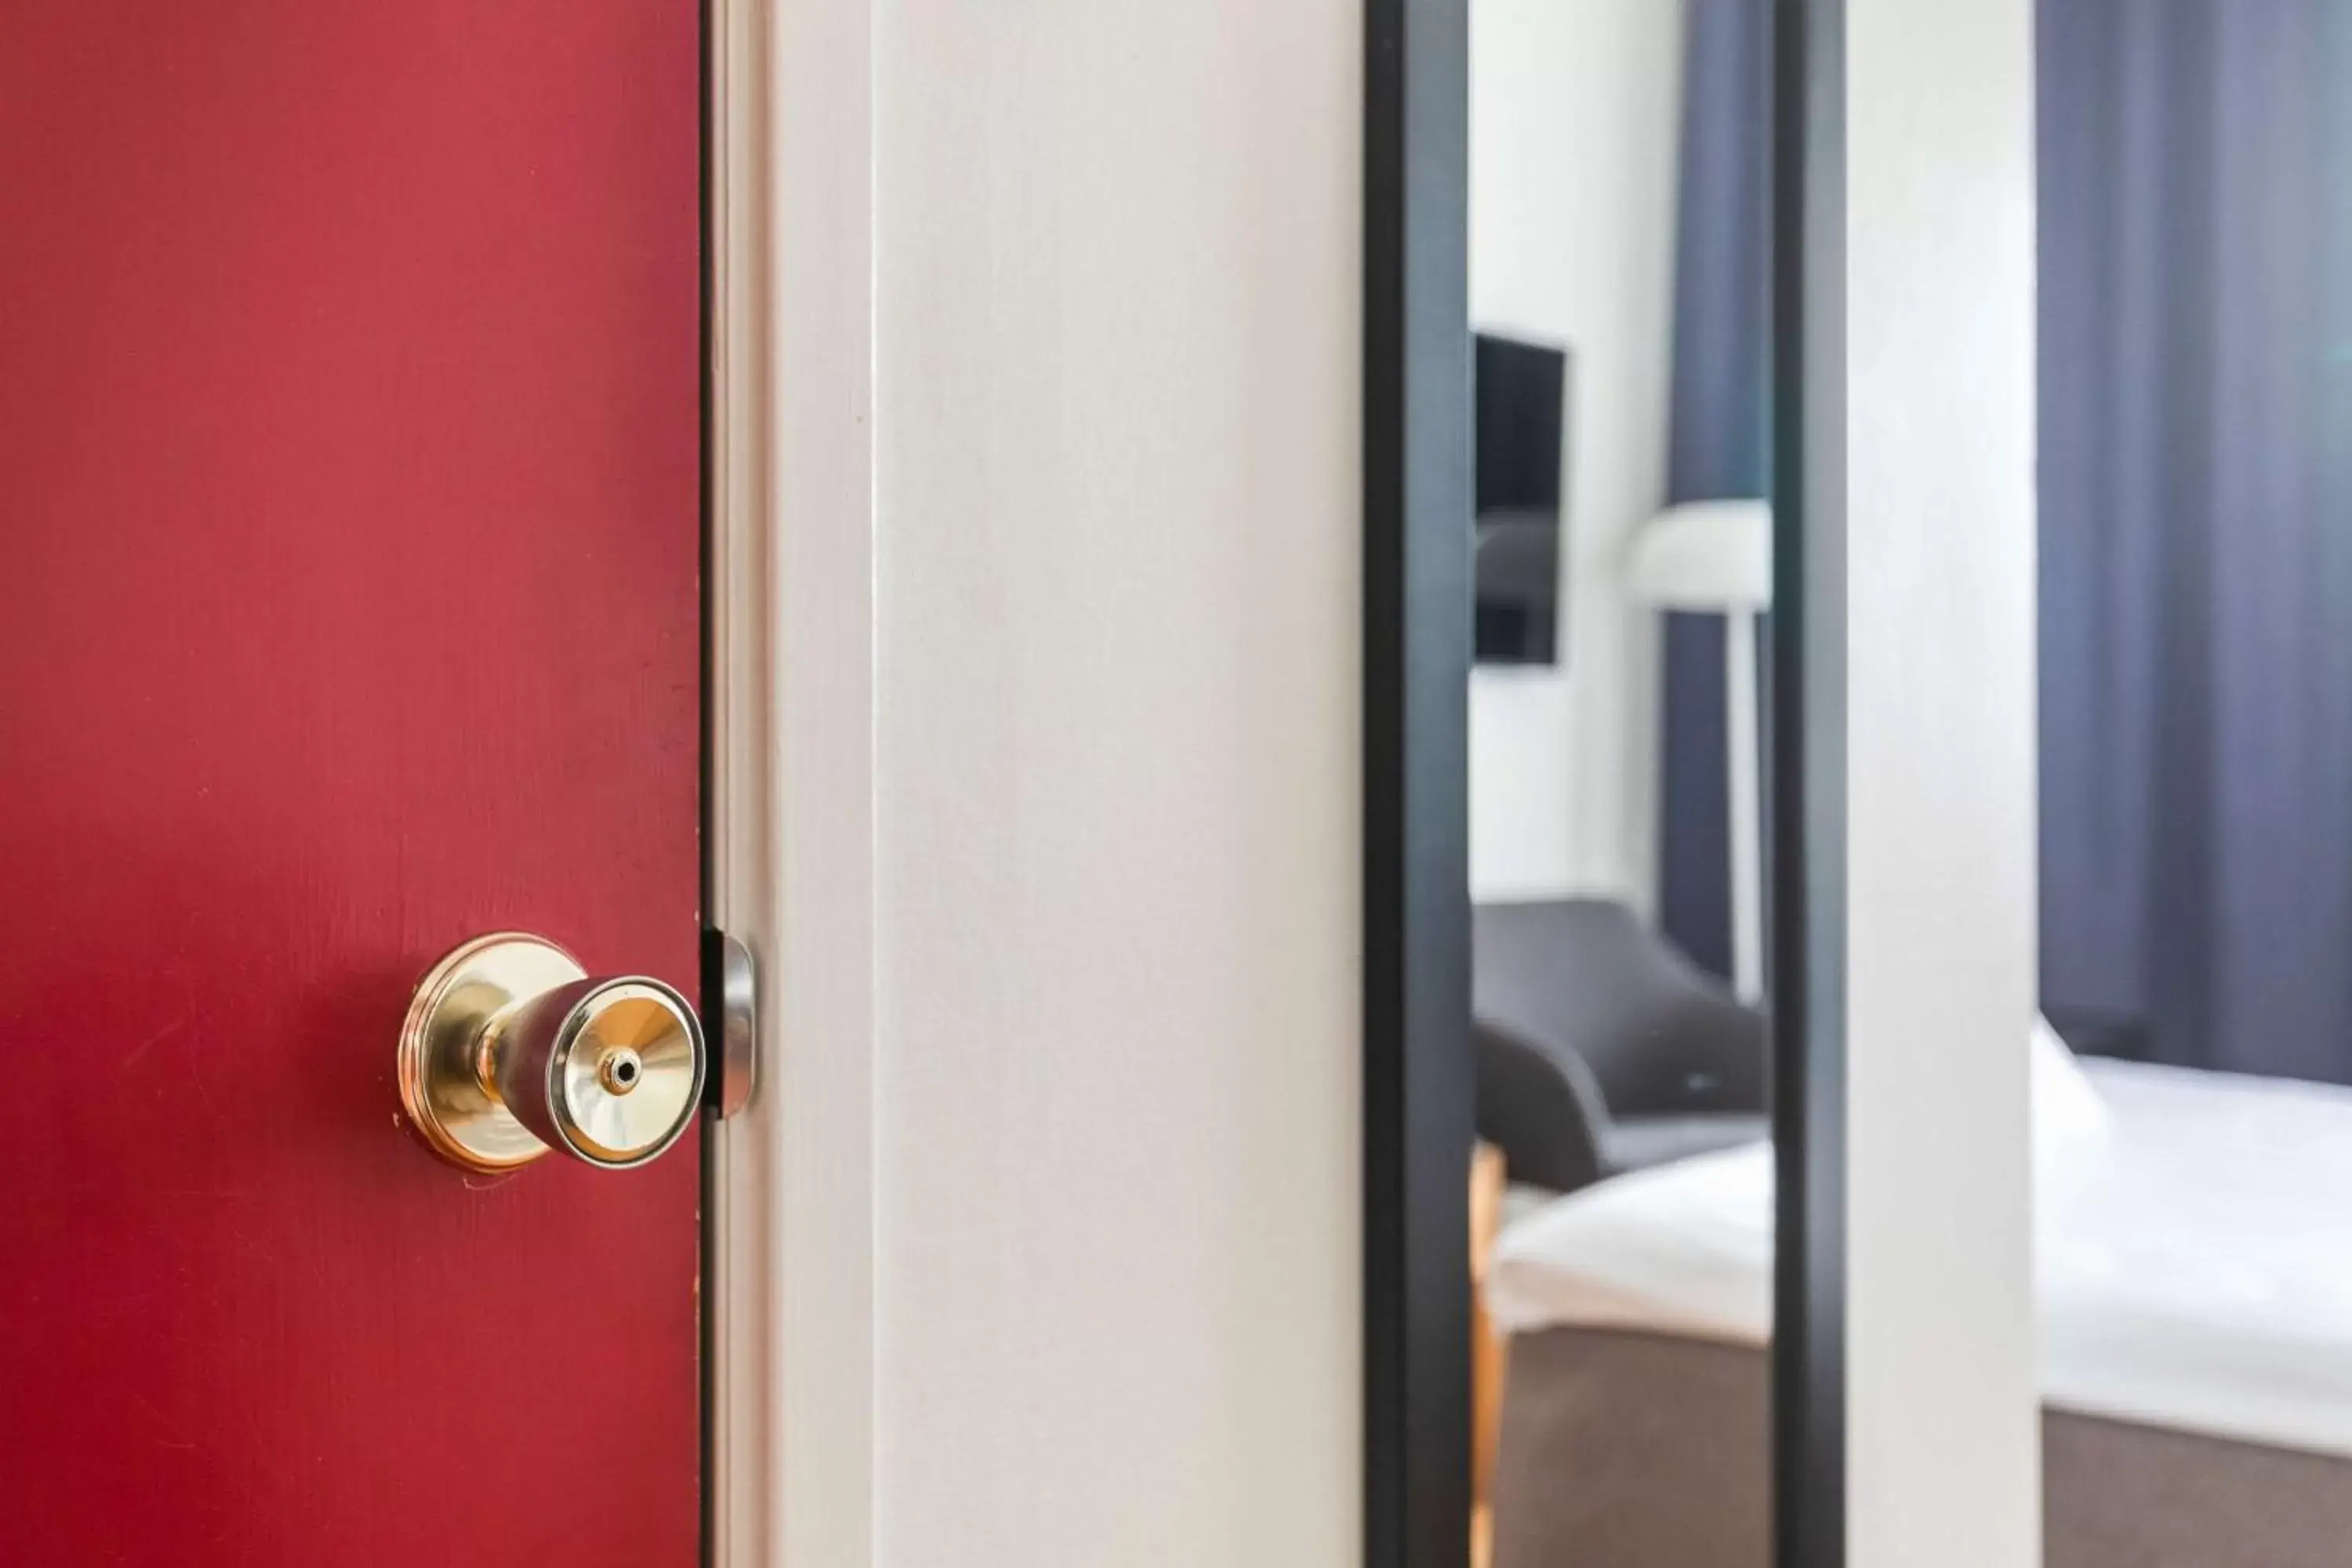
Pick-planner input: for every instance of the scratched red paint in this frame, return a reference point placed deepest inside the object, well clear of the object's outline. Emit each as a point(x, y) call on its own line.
point(348, 500)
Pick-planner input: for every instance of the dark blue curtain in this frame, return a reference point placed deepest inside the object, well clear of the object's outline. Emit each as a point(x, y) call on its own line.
point(2196, 420)
point(1719, 440)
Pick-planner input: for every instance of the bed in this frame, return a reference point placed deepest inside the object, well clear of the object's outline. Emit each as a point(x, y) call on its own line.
point(2194, 1244)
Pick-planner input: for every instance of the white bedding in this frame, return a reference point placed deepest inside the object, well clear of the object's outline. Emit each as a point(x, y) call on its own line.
point(2195, 1258)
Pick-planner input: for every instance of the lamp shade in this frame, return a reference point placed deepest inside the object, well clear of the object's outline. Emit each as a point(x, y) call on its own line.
point(1710, 556)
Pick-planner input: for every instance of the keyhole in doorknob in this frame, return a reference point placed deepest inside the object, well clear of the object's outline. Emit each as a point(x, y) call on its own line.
point(621, 1071)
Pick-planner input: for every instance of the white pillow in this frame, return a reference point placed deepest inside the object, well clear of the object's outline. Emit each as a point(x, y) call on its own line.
point(2068, 1113)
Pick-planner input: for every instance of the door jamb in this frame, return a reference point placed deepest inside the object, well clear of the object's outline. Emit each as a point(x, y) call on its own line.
point(788, 1210)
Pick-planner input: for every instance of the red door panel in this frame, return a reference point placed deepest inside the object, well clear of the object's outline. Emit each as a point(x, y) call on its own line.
point(349, 489)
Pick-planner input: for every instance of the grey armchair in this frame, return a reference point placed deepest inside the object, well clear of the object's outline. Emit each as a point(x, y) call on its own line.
point(1602, 1048)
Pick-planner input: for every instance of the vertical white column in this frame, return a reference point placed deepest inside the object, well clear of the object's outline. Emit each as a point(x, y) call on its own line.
point(1119, 452)
point(1943, 1458)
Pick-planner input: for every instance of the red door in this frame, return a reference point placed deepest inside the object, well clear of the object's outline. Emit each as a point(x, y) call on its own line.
point(349, 496)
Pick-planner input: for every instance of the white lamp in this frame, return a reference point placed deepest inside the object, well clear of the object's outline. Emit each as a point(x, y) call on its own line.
point(1714, 557)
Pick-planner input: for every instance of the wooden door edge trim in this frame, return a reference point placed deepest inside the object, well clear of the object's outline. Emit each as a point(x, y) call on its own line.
point(788, 1219)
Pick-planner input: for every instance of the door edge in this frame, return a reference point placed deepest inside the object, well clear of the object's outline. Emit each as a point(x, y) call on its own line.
point(789, 1219)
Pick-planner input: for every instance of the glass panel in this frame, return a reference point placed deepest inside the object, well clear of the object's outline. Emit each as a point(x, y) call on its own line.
point(1621, 1197)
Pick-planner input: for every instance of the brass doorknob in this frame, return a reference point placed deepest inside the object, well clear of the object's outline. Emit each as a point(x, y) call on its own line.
point(512, 1049)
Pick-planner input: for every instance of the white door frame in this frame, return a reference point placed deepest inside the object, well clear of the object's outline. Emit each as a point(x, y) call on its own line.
point(1939, 561)
point(790, 1278)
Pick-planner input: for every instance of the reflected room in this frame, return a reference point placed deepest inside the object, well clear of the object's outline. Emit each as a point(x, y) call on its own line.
point(2191, 1132)
point(1622, 1189)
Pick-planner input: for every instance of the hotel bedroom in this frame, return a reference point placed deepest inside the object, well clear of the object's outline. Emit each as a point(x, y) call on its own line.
point(2192, 1130)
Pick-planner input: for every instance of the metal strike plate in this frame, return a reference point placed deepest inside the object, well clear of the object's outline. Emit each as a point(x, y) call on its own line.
point(730, 1000)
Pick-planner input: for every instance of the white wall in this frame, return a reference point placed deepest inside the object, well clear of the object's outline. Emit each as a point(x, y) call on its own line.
point(1942, 1421)
point(1574, 126)
point(1118, 253)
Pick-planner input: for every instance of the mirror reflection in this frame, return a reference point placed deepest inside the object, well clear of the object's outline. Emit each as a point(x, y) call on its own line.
point(2192, 1130)
point(1621, 1194)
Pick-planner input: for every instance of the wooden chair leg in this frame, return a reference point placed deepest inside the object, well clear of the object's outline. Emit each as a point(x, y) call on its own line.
point(1487, 1350)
